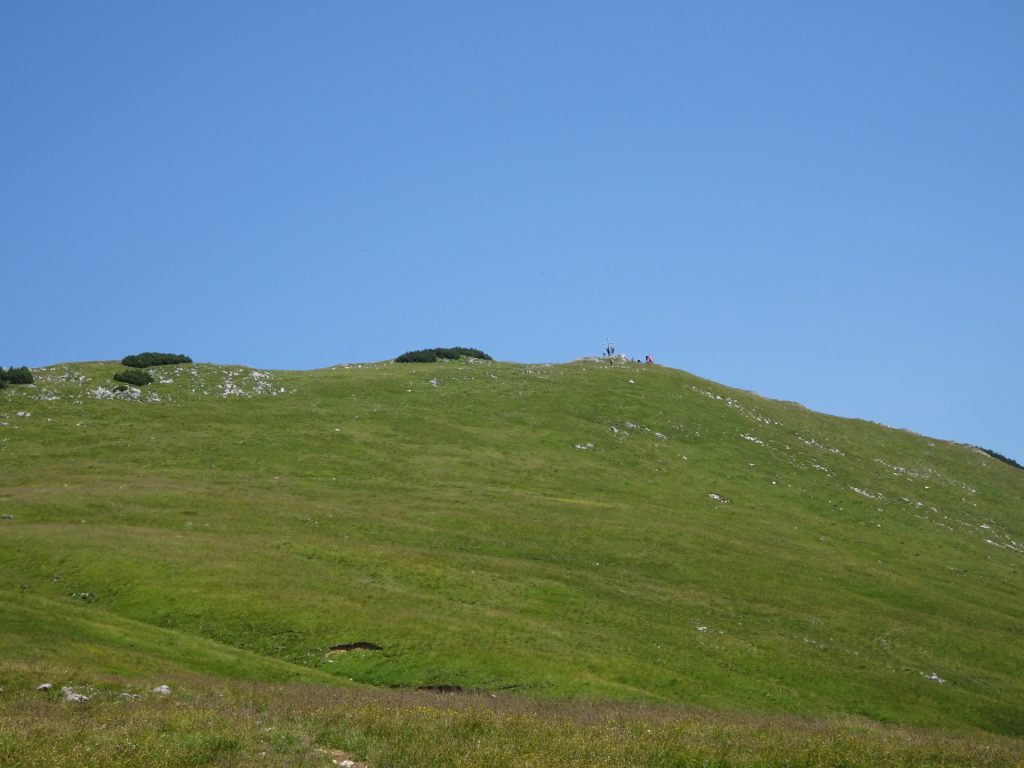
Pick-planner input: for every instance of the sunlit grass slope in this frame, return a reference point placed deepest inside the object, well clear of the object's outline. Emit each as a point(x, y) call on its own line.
point(571, 531)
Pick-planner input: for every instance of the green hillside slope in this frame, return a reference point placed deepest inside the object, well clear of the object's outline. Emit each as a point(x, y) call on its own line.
point(581, 530)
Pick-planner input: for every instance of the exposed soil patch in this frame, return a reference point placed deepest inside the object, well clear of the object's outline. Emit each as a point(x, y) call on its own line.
point(443, 688)
point(362, 645)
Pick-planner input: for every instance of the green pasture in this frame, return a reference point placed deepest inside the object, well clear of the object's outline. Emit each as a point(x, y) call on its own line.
point(577, 533)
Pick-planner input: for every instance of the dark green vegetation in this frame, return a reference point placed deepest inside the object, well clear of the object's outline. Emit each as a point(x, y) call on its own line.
point(146, 359)
point(1006, 459)
point(569, 534)
point(16, 375)
point(441, 353)
point(136, 376)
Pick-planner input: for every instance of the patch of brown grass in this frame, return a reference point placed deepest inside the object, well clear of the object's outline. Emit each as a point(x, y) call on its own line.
point(240, 724)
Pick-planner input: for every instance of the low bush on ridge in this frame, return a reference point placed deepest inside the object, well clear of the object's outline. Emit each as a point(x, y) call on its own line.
point(998, 455)
point(146, 359)
point(441, 353)
point(16, 375)
point(135, 376)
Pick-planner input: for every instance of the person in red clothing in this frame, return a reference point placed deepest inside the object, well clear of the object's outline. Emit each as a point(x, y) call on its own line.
point(649, 360)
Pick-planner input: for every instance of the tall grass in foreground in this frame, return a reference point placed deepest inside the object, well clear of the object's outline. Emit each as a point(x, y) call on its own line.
point(202, 723)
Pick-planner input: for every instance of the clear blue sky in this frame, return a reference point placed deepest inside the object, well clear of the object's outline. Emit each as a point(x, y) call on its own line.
point(822, 202)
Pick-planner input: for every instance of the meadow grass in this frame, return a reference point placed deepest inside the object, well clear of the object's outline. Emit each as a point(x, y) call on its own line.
point(583, 532)
point(211, 723)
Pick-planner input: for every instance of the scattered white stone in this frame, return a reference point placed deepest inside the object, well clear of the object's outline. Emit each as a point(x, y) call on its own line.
point(867, 494)
point(434, 382)
point(637, 427)
point(752, 439)
point(934, 677)
point(584, 446)
point(702, 629)
point(69, 376)
point(107, 393)
point(235, 384)
point(815, 444)
point(163, 690)
point(717, 497)
point(45, 687)
point(70, 695)
point(23, 414)
point(738, 406)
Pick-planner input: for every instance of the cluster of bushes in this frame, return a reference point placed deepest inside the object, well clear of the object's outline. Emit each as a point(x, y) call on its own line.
point(441, 353)
point(135, 376)
point(15, 376)
point(147, 359)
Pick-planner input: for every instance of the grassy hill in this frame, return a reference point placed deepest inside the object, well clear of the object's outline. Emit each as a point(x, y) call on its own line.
point(586, 532)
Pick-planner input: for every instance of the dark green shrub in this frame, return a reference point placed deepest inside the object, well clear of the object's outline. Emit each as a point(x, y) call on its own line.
point(471, 352)
point(135, 376)
point(3, 383)
point(441, 353)
point(1004, 459)
point(146, 359)
point(17, 375)
point(419, 356)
